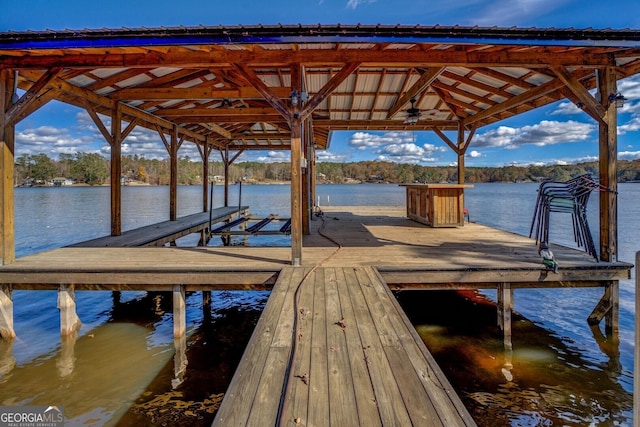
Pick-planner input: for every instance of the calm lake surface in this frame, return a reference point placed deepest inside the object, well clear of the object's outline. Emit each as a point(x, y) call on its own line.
point(120, 368)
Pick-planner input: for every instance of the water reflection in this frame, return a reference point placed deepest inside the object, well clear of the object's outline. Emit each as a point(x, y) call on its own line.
point(540, 380)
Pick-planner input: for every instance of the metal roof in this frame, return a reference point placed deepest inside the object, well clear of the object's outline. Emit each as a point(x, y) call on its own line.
point(222, 85)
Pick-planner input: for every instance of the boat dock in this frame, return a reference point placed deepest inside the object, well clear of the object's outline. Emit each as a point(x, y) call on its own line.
point(333, 347)
point(167, 231)
point(353, 346)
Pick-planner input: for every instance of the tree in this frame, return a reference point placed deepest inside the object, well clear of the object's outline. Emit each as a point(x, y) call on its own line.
point(42, 167)
point(91, 168)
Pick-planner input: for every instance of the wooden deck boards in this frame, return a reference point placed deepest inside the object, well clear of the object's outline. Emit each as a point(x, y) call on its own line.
point(358, 360)
point(166, 231)
point(406, 254)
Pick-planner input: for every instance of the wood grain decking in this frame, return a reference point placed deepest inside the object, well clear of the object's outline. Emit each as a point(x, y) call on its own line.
point(357, 361)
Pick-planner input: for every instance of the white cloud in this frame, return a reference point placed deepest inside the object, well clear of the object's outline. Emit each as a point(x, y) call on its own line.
point(566, 108)
point(409, 153)
point(546, 132)
point(629, 155)
point(473, 154)
point(352, 4)
point(514, 11)
point(365, 140)
point(51, 141)
point(275, 157)
point(327, 156)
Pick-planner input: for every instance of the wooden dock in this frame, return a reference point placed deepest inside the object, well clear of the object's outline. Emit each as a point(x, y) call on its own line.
point(167, 231)
point(357, 360)
point(336, 347)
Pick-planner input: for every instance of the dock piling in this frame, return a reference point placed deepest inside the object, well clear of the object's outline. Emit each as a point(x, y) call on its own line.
point(69, 320)
point(179, 311)
point(6, 312)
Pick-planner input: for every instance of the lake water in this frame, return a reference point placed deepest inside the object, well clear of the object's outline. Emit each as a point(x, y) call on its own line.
point(120, 368)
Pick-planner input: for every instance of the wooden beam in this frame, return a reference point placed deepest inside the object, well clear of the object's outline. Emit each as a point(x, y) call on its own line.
point(540, 58)
point(116, 171)
point(542, 90)
point(446, 139)
point(265, 91)
point(99, 123)
point(384, 124)
point(590, 105)
point(423, 82)
point(7, 160)
point(197, 93)
point(36, 90)
point(328, 88)
point(460, 152)
point(608, 168)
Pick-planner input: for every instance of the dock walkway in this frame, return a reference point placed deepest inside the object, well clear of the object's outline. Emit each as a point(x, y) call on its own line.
point(357, 360)
point(164, 232)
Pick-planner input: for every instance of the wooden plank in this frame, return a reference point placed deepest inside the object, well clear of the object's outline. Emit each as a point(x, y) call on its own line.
point(448, 405)
point(318, 405)
point(245, 382)
point(300, 380)
point(416, 399)
point(342, 399)
point(385, 388)
point(367, 407)
point(164, 231)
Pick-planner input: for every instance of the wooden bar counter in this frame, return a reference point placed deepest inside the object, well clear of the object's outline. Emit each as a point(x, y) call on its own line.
point(437, 205)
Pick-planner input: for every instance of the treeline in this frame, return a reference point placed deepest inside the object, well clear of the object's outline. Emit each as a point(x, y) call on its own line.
point(93, 169)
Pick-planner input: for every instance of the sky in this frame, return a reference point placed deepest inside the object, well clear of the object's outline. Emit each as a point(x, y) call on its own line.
point(556, 134)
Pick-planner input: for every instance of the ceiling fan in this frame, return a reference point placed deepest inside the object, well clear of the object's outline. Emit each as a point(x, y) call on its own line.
point(414, 113)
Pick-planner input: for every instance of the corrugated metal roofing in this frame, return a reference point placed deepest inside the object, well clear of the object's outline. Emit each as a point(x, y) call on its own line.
point(207, 79)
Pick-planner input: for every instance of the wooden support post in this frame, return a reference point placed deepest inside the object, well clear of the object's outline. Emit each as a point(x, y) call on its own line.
point(69, 320)
point(173, 175)
point(306, 213)
point(179, 311)
point(225, 161)
point(505, 308)
point(180, 360)
point(67, 361)
point(608, 309)
point(6, 312)
point(116, 170)
point(296, 193)
point(312, 173)
point(7, 160)
point(7, 359)
point(205, 176)
point(608, 169)
point(636, 370)
point(461, 152)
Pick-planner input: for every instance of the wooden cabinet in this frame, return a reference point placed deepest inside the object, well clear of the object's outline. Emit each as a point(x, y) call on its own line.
point(437, 205)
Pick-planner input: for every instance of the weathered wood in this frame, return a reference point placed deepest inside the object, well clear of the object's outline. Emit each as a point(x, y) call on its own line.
point(7, 159)
point(6, 312)
point(607, 308)
point(437, 205)
point(116, 170)
point(179, 311)
point(356, 362)
point(608, 169)
point(164, 232)
point(296, 193)
point(505, 309)
point(173, 175)
point(636, 361)
point(69, 320)
point(244, 385)
point(180, 360)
